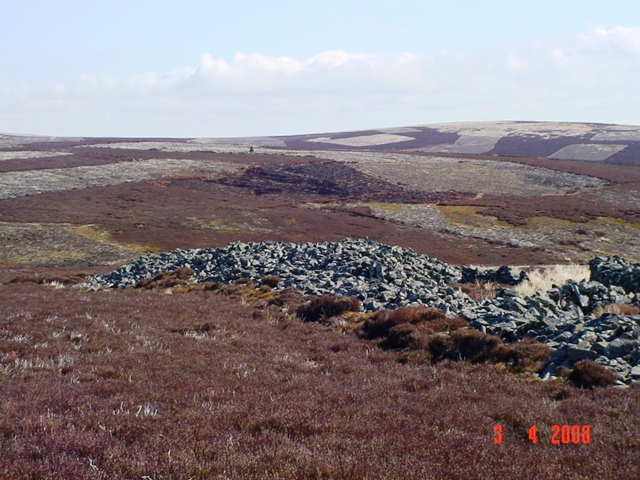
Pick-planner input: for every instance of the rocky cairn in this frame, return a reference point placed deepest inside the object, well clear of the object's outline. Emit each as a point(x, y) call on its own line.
point(383, 276)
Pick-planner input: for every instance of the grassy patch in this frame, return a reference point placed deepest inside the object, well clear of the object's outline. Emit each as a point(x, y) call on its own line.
point(467, 216)
point(544, 278)
point(394, 207)
point(618, 221)
point(92, 232)
point(44, 256)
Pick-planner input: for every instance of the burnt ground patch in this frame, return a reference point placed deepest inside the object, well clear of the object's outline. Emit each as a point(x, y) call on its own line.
point(329, 179)
point(534, 146)
point(628, 156)
point(104, 156)
point(423, 137)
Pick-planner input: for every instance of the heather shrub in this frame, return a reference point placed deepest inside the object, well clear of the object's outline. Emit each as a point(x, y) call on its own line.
point(528, 355)
point(406, 335)
point(326, 306)
point(588, 374)
point(479, 291)
point(431, 320)
point(271, 280)
point(441, 346)
point(476, 346)
point(561, 394)
point(243, 281)
point(378, 325)
point(287, 300)
point(471, 345)
point(174, 278)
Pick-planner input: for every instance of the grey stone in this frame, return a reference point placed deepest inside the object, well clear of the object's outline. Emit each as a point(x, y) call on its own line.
point(621, 347)
point(580, 352)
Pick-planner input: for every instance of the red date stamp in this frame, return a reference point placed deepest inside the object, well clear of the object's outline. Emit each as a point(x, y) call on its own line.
point(560, 434)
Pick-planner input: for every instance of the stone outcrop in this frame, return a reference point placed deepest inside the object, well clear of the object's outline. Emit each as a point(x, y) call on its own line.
point(382, 276)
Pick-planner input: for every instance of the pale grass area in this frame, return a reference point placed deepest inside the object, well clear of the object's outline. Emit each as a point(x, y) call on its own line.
point(30, 154)
point(542, 129)
point(544, 278)
point(587, 151)
point(364, 140)
point(17, 184)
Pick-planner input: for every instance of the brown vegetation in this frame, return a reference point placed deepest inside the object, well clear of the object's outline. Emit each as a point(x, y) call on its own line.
point(180, 380)
point(137, 383)
point(173, 278)
point(202, 214)
point(429, 320)
point(618, 309)
point(579, 207)
point(271, 280)
point(438, 337)
point(324, 307)
point(588, 374)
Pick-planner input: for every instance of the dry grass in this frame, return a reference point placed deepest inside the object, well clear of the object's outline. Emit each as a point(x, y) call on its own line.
point(617, 309)
point(544, 278)
point(479, 291)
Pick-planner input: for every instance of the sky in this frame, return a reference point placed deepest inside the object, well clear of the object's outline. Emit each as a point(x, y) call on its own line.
point(195, 68)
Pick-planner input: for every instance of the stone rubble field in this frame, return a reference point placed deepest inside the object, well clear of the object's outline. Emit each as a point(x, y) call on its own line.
point(565, 317)
point(33, 182)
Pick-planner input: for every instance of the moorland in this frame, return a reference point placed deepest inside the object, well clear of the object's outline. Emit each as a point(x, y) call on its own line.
point(229, 382)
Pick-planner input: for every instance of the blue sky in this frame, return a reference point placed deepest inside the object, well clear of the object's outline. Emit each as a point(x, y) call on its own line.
point(210, 69)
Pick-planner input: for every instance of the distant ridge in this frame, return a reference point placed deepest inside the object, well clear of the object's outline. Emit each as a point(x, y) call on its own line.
point(589, 142)
point(616, 144)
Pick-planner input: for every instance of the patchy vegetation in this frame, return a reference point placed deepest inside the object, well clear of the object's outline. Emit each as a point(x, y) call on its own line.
point(181, 380)
point(439, 337)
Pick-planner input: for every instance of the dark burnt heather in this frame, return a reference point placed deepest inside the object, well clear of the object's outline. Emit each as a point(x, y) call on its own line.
point(134, 383)
point(331, 179)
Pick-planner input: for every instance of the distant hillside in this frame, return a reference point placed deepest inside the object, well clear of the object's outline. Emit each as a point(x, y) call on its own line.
point(615, 144)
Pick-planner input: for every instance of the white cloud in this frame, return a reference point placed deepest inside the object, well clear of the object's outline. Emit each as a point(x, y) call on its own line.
point(592, 77)
point(621, 37)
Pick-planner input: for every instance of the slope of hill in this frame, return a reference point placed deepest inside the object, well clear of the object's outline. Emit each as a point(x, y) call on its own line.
point(173, 379)
point(458, 192)
point(617, 144)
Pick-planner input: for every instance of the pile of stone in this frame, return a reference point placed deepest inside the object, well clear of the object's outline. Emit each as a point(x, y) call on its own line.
point(381, 276)
point(503, 275)
point(616, 271)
